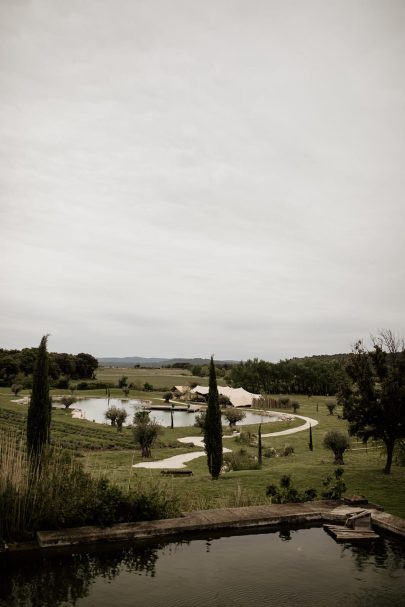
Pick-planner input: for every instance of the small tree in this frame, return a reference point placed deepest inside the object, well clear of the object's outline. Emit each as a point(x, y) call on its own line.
point(39, 411)
point(167, 396)
point(295, 405)
point(111, 414)
point(200, 420)
point(16, 389)
point(120, 419)
point(67, 401)
point(233, 416)
point(123, 381)
point(147, 387)
point(331, 407)
point(213, 427)
point(145, 432)
point(125, 390)
point(338, 442)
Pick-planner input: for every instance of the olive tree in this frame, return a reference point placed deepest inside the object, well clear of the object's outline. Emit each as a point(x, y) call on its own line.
point(233, 416)
point(145, 432)
point(338, 442)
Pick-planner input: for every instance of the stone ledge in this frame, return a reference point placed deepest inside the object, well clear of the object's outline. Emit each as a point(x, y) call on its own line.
point(202, 520)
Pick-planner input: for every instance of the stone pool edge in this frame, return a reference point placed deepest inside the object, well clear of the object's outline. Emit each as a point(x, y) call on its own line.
point(216, 519)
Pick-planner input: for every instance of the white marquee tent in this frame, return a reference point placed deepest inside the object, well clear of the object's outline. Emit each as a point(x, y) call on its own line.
point(237, 396)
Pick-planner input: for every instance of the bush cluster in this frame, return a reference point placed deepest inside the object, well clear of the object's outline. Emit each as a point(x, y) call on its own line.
point(241, 460)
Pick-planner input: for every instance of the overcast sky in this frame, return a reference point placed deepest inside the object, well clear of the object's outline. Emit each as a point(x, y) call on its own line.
point(181, 178)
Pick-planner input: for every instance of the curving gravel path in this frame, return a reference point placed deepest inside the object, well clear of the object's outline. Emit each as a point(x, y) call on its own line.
point(178, 461)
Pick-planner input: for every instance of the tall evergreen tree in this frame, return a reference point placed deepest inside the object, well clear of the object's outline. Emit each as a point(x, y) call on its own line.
point(213, 427)
point(310, 444)
point(259, 446)
point(39, 411)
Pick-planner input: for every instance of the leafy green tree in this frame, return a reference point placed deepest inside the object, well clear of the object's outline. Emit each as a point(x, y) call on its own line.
point(167, 396)
point(338, 442)
point(374, 404)
point(40, 407)
point(213, 426)
point(145, 432)
point(233, 416)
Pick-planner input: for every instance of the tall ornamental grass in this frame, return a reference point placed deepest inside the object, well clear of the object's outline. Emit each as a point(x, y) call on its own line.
point(59, 493)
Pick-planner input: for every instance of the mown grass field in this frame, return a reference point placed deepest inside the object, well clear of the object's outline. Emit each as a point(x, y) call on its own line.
point(159, 378)
point(104, 450)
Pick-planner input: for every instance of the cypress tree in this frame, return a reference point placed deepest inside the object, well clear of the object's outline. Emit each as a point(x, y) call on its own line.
point(213, 427)
point(39, 411)
point(310, 444)
point(259, 447)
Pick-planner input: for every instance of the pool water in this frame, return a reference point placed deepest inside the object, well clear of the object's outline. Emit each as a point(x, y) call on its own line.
point(93, 409)
point(288, 568)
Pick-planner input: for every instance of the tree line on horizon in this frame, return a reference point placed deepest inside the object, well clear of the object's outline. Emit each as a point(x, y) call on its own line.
point(17, 366)
point(319, 376)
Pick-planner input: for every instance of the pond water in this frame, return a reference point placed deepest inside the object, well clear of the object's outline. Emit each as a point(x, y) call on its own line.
point(288, 568)
point(93, 409)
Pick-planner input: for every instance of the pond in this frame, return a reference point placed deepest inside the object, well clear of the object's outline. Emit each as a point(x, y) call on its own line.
point(93, 409)
point(287, 568)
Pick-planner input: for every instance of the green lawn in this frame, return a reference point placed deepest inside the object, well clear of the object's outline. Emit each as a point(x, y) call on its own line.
point(104, 450)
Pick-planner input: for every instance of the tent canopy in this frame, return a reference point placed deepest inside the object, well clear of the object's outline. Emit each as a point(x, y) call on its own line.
point(237, 396)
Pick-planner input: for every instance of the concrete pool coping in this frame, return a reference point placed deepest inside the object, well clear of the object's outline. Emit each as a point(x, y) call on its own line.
point(217, 519)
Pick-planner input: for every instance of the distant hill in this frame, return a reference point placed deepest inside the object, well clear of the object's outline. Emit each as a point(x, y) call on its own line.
point(130, 361)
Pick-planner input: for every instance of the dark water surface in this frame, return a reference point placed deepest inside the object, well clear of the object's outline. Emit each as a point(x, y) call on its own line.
point(302, 567)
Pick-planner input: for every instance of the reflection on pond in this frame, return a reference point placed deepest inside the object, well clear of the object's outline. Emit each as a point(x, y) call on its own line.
point(284, 567)
point(93, 409)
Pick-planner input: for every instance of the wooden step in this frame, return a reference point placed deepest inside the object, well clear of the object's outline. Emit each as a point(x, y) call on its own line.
point(340, 533)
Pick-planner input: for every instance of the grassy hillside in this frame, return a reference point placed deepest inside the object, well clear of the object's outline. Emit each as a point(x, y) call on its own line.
point(103, 449)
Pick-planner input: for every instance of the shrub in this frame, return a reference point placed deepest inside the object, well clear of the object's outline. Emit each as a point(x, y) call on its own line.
point(334, 487)
point(16, 389)
point(338, 442)
point(147, 387)
point(200, 420)
point(270, 452)
point(94, 385)
point(62, 382)
point(241, 460)
point(288, 450)
point(331, 407)
point(167, 396)
point(246, 438)
point(287, 493)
